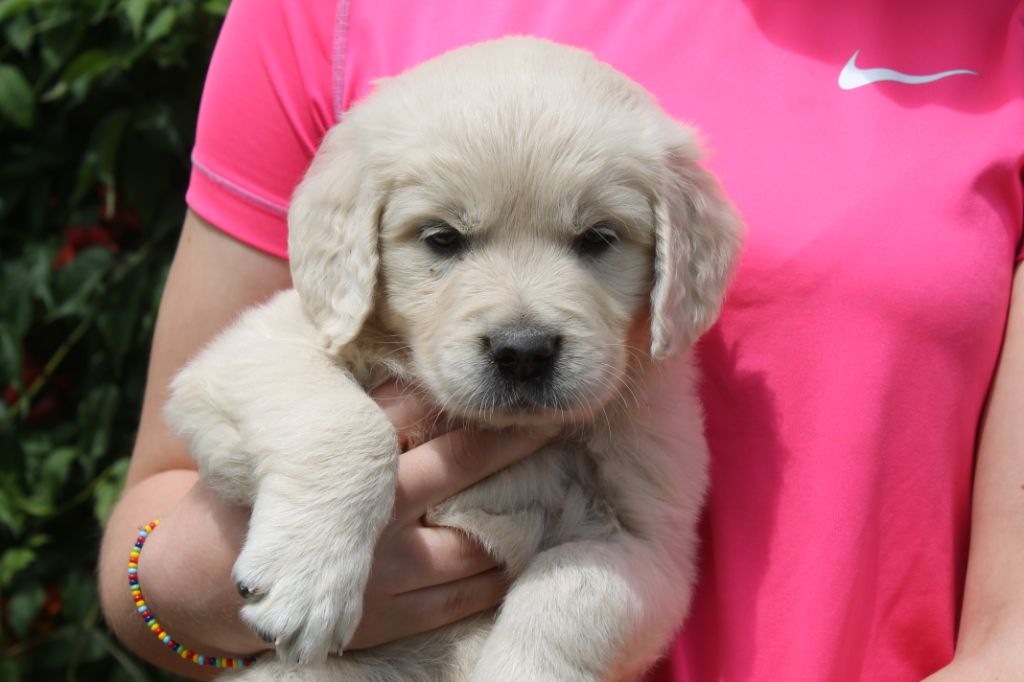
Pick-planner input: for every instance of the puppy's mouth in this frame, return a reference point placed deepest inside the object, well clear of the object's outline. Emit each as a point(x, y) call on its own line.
point(488, 396)
point(526, 375)
point(508, 405)
point(525, 400)
point(500, 402)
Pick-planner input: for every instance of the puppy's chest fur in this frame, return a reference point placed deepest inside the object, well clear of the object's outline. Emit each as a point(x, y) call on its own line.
point(554, 496)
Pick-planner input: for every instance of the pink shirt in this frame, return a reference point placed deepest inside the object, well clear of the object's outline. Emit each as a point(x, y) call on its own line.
point(845, 379)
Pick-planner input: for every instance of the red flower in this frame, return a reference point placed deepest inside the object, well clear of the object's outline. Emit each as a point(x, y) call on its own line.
point(47, 409)
point(125, 220)
point(63, 257)
point(78, 238)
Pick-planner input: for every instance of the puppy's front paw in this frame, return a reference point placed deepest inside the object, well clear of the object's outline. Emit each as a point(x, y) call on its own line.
point(297, 596)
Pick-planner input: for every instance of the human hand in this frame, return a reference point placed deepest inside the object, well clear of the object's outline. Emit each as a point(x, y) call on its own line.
point(999, 658)
point(424, 577)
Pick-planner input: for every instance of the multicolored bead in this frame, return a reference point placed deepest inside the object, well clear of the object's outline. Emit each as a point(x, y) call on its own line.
point(154, 626)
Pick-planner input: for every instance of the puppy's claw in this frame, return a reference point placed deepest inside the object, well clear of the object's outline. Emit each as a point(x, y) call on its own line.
point(247, 592)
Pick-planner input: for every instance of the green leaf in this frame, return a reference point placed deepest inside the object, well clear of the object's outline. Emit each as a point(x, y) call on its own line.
point(120, 320)
point(10, 358)
point(57, 465)
point(93, 650)
point(135, 11)
point(10, 515)
point(100, 10)
point(9, 8)
point(97, 90)
point(85, 68)
point(162, 24)
point(16, 297)
point(12, 562)
point(38, 259)
point(17, 103)
point(217, 8)
point(54, 651)
point(20, 33)
point(99, 162)
point(51, 475)
point(129, 670)
point(38, 540)
point(76, 284)
point(78, 596)
point(95, 415)
point(61, 38)
point(109, 490)
point(108, 136)
point(34, 506)
point(23, 608)
point(59, 90)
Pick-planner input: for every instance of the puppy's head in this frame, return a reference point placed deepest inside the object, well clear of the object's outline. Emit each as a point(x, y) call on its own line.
point(525, 217)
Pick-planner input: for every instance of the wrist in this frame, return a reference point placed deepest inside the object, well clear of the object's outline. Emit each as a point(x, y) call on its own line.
point(145, 611)
point(184, 569)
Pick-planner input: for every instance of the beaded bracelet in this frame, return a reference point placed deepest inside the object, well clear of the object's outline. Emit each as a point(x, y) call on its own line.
point(154, 626)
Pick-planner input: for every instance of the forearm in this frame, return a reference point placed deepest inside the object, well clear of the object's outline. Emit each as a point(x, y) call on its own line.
point(184, 570)
point(993, 608)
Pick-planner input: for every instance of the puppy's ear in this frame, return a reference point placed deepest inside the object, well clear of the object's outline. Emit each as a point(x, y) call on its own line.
point(697, 240)
point(332, 238)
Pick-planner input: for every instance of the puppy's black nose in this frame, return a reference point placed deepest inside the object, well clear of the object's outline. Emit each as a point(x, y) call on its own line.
point(523, 353)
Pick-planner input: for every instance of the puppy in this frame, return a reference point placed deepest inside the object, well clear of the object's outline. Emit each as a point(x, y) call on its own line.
point(521, 232)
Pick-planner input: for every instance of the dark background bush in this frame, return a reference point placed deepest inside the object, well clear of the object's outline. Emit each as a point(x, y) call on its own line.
point(98, 101)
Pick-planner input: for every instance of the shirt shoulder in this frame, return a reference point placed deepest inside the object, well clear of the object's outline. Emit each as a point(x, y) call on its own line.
point(267, 102)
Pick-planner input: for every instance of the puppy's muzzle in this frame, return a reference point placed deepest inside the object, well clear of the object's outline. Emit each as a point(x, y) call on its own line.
point(523, 354)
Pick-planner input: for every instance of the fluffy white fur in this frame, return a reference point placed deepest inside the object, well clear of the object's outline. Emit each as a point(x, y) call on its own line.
point(522, 146)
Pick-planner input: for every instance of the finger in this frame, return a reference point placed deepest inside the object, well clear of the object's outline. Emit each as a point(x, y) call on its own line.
point(419, 557)
point(436, 470)
point(408, 411)
point(422, 610)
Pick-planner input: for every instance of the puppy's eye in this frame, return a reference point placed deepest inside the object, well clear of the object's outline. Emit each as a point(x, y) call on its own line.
point(443, 239)
point(597, 239)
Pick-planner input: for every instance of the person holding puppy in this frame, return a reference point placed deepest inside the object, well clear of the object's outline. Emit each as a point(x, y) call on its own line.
point(857, 388)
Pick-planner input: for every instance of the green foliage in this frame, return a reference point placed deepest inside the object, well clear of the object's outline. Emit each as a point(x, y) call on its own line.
point(98, 100)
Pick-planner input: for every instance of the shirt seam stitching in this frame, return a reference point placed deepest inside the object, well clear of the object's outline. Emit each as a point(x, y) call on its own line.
point(241, 192)
point(339, 52)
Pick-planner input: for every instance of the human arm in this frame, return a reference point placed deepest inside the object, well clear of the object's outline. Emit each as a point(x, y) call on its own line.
point(992, 620)
point(423, 577)
point(213, 277)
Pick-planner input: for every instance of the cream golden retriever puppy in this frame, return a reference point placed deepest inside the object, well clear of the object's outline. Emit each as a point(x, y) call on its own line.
point(521, 232)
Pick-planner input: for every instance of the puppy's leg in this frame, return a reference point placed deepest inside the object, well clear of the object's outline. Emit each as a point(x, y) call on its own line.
point(603, 606)
point(274, 421)
point(319, 509)
point(587, 611)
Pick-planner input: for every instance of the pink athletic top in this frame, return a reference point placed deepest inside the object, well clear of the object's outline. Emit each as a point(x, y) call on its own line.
point(845, 379)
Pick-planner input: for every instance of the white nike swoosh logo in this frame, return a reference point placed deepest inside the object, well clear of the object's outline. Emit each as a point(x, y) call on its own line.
point(852, 76)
